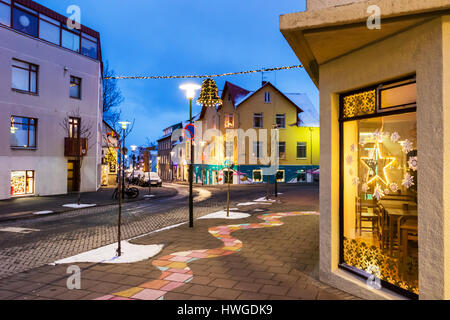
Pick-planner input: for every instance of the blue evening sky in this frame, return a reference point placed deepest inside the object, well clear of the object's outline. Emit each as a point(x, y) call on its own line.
point(165, 37)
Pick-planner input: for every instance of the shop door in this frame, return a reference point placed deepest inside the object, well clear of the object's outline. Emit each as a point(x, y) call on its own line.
point(73, 176)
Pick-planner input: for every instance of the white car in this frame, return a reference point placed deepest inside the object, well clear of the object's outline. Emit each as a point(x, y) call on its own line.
point(155, 179)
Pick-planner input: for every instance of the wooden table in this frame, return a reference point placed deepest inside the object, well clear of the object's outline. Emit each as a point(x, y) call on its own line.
point(397, 203)
point(394, 215)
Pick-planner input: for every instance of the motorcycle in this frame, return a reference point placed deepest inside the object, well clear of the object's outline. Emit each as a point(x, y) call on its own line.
point(131, 193)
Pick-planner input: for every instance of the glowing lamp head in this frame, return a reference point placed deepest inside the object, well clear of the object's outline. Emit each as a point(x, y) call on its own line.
point(190, 89)
point(124, 124)
point(133, 148)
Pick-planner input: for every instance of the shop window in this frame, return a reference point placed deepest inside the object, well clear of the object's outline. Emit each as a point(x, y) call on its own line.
point(5, 13)
point(22, 183)
point(25, 20)
point(379, 189)
point(75, 87)
point(280, 176)
point(49, 29)
point(24, 76)
point(257, 176)
point(70, 40)
point(23, 132)
point(228, 176)
point(301, 150)
point(281, 121)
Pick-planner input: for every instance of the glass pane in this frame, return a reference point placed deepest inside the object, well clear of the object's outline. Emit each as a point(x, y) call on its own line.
point(32, 138)
point(380, 198)
point(18, 182)
point(70, 41)
point(19, 135)
point(33, 82)
point(44, 17)
point(74, 90)
point(89, 48)
point(25, 22)
point(5, 14)
point(20, 79)
point(49, 32)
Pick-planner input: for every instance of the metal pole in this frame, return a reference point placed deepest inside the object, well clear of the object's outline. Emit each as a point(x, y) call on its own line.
point(119, 193)
point(228, 192)
point(123, 164)
point(276, 185)
point(191, 174)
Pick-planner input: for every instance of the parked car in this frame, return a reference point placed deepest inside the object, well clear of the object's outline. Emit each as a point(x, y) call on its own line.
point(155, 179)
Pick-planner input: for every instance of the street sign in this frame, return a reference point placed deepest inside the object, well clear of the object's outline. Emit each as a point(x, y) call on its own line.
point(189, 132)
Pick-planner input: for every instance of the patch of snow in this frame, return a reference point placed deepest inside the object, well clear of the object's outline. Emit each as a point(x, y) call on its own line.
point(18, 230)
point(203, 194)
point(78, 206)
point(246, 204)
point(43, 212)
point(223, 215)
point(263, 199)
point(258, 210)
point(149, 196)
point(108, 254)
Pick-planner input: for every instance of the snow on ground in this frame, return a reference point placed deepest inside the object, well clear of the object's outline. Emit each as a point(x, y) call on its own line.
point(263, 199)
point(203, 194)
point(223, 215)
point(246, 204)
point(149, 196)
point(43, 212)
point(79, 206)
point(108, 254)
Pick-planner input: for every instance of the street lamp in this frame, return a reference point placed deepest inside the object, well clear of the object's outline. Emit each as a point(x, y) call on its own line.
point(121, 186)
point(190, 90)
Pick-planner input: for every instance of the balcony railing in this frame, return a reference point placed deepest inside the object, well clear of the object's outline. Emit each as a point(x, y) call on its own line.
point(75, 147)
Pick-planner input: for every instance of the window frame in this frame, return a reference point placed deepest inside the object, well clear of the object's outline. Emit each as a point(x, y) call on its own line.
point(28, 147)
point(279, 152)
point(72, 126)
point(10, 13)
point(397, 110)
point(306, 150)
point(280, 116)
point(30, 71)
point(261, 115)
point(267, 97)
point(33, 177)
point(284, 175)
point(28, 11)
point(229, 124)
point(253, 175)
point(79, 87)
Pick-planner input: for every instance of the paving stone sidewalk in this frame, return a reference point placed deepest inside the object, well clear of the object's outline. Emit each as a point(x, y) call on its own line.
point(279, 262)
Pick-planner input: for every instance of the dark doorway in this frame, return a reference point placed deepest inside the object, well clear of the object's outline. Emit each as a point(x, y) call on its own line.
point(73, 176)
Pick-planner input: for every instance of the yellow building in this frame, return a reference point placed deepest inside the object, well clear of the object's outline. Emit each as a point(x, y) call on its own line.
point(241, 130)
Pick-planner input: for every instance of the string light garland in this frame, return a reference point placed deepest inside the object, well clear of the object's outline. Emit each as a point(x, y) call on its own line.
point(203, 76)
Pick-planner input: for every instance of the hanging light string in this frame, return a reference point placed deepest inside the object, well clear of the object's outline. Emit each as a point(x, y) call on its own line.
point(203, 76)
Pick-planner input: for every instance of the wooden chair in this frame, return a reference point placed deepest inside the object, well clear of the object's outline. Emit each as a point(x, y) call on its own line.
point(365, 211)
point(407, 231)
point(383, 229)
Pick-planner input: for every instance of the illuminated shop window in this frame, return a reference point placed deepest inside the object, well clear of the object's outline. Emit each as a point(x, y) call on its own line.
point(280, 176)
point(22, 183)
point(257, 176)
point(379, 186)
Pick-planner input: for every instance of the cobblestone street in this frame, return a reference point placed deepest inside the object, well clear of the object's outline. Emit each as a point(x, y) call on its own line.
point(275, 263)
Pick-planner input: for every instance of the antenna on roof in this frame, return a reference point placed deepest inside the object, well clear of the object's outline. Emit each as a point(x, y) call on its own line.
point(263, 78)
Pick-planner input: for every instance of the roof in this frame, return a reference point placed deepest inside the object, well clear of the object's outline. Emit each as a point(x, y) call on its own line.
point(236, 93)
point(110, 127)
point(310, 115)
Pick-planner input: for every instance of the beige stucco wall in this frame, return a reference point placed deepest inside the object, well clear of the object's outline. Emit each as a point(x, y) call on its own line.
point(423, 50)
point(51, 106)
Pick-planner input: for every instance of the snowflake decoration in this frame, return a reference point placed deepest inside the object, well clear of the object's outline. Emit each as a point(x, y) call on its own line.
point(412, 163)
point(394, 187)
point(365, 187)
point(378, 193)
point(378, 135)
point(407, 146)
point(386, 191)
point(349, 160)
point(355, 181)
point(408, 181)
point(353, 148)
point(395, 137)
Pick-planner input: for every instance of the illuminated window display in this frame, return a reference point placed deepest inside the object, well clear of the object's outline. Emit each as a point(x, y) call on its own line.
point(379, 234)
point(22, 183)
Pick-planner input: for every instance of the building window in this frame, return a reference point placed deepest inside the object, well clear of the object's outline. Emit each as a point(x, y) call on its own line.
point(280, 176)
point(49, 29)
point(282, 150)
point(70, 40)
point(88, 46)
point(301, 150)
point(257, 120)
point(257, 149)
point(267, 97)
point(24, 76)
point(379, 188)
point(74, 127)
point(281, 121)
point(257, 175)
point(5, 13)
point(25, 20)
point(23, 132)
point(75, 87)
point(229, 149)
point(229, 121)
point(22, 182)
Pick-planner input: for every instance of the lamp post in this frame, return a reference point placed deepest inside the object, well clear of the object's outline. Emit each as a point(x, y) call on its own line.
point(190, 90)
point(121, 186)
point(133, 149)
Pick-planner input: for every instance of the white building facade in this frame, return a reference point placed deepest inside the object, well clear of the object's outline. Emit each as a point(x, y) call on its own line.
point(50, 95)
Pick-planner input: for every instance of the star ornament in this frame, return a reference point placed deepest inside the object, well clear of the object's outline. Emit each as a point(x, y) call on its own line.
point(377, 165)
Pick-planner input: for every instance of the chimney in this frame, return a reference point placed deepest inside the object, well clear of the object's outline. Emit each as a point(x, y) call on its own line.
point(263, 83)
